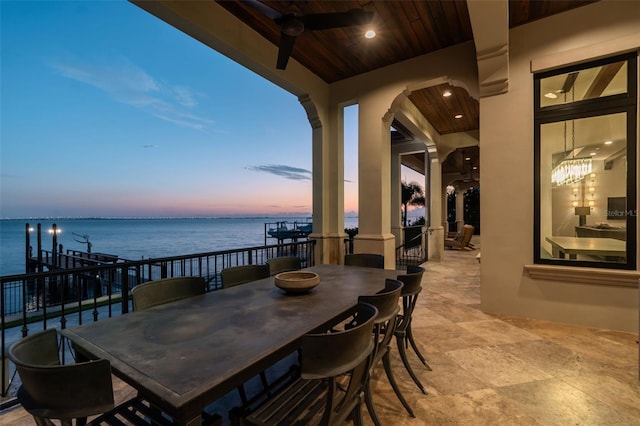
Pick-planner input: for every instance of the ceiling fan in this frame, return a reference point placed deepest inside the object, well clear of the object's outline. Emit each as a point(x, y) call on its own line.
point(293, 23)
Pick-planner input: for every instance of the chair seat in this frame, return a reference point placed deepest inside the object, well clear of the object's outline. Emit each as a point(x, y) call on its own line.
point(293, 405)
point(137, 411)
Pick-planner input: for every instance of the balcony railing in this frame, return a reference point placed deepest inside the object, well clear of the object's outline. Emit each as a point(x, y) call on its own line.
point(414, 249)
point(70, 295)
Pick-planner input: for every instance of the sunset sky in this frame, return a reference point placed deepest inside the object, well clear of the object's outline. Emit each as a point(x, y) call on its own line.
point(107, 111)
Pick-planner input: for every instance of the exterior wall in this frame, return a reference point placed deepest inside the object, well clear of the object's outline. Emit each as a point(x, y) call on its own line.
point(506, 138)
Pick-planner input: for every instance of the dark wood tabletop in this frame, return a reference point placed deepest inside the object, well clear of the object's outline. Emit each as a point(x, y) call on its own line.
point(186, 354)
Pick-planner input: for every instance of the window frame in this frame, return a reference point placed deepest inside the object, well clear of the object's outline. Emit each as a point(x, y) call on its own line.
point(619, 103)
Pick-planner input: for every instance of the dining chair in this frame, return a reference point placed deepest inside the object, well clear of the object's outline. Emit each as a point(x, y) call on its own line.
point(242, 274)
point(334, 370)
point(369, 260)
point(284, 264)
point(386, 301)
point(159, 292)
point(51, 390)
point(412, 281)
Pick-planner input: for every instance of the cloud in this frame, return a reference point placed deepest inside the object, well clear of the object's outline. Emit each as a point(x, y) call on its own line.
point(125, 82)
point(288, 172)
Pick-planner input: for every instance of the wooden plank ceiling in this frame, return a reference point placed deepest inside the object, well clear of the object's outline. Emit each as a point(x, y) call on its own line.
point(405, 29)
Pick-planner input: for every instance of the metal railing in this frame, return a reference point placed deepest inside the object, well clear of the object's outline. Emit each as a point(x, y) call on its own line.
point(412, 252)
point(414, 249)
point(63, 297)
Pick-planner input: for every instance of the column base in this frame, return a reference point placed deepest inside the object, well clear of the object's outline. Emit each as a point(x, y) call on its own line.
point(329, 248)
point(436, 242)
point(384, 244)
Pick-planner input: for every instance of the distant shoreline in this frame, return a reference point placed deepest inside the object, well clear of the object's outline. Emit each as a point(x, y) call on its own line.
point(306, 217)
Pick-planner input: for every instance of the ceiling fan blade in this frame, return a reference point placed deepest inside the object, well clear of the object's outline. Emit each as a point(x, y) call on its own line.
point(323, 21)
point(284, 51)
point(263, 8)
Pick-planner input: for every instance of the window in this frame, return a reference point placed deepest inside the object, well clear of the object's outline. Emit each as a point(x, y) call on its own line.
point(585, 164)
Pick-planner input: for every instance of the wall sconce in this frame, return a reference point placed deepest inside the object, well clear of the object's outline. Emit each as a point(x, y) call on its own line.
point(591, 203)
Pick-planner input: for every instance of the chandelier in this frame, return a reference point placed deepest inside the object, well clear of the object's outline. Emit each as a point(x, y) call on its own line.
point(571, 171)
point(574, 169)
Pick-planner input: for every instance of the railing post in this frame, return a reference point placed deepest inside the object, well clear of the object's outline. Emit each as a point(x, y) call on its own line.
point(124, 291)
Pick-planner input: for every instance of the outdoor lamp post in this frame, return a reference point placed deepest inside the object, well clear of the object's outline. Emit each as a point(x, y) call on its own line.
point(54, 231)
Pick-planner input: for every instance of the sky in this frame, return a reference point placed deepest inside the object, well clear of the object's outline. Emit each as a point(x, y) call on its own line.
point(107, 111)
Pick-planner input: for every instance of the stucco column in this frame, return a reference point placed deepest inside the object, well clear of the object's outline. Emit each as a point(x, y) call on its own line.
point(328, 181)
point(374, 179)
point(436, 229)
point(459, 206)
point(396, 195)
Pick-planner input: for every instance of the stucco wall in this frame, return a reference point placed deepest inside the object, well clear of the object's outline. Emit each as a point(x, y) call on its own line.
point(506, 140)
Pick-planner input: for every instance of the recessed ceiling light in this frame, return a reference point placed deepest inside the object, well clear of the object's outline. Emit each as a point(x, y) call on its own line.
point(446, 93)
point(370, 34)
point(592, 154)
point(458, 116)
point(608, 142)
point(551, 95)
point(467, 158)
point(475, 167)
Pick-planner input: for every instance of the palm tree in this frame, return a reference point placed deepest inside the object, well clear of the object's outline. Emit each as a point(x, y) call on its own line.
point(412, 195)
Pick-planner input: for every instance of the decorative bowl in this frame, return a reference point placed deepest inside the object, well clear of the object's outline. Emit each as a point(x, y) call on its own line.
point(296, 281)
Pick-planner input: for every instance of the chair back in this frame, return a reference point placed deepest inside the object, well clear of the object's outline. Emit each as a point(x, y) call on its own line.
point(369, 260)
point(236, 275)
point(386, 301)
point(53, 391)
point(467, 233)
point(412, 281)
point(283, 264)
point(329, 355)
point(159, 292)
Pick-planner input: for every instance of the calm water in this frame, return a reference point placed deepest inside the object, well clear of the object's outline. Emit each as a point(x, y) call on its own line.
point(136, 239)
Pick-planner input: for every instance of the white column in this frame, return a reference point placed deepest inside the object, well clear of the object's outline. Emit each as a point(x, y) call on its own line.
point(328, 181)
point(436, 229)
point(396, 195)
point(459, 206)
point(374, 180)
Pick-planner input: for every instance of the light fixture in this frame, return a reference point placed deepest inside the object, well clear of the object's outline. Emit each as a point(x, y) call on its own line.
point(551, 95)
point(457, 116)
point(608, 142)
point(370, 34)
point(571, 171)
point(574, 169)
point(575, 204)
point(446, 93)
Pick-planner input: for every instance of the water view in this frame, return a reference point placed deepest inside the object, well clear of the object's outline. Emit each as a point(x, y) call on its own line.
point(136, 239)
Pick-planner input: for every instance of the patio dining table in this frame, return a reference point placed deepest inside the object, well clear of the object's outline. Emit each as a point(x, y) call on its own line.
point(184, 355)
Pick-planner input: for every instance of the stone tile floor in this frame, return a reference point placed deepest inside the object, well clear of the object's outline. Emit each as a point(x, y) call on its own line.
point(490, 370)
